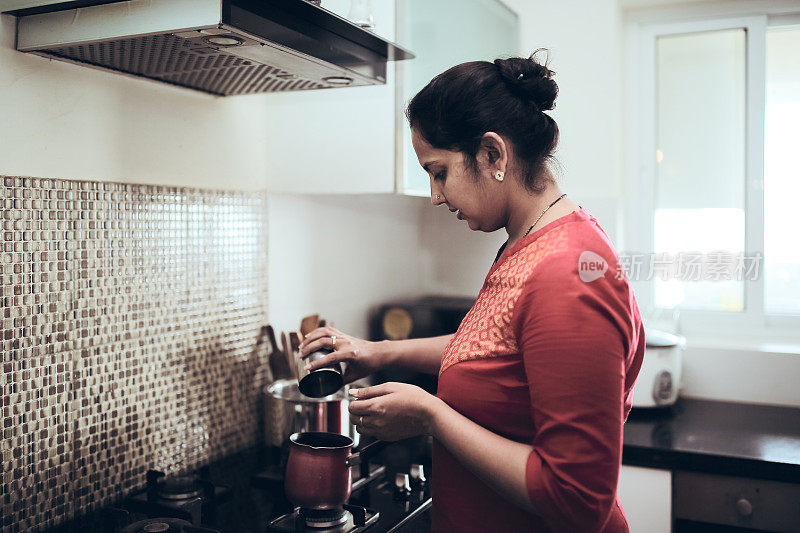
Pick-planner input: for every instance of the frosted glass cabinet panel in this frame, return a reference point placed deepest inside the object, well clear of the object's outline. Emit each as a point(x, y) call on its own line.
point(444, 33)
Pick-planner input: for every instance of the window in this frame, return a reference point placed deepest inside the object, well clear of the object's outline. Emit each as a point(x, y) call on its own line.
point(782, 171)
point(715, 172)
point(699, 179)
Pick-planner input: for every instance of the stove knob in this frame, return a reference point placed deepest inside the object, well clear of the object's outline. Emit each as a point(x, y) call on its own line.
point(402, 489)
point(418, 479)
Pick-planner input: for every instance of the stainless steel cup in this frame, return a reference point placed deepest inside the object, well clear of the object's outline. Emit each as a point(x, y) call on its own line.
point(322, 381)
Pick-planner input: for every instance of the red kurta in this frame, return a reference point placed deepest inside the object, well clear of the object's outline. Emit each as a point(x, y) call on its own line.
point(547, 356)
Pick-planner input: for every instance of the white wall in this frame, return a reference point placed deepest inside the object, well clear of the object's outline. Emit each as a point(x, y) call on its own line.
point(67, 121)
point(762, 373)
point(586, 54)
point(338, 255)
point(585, 41)
point(335, 140)
point(454, 259)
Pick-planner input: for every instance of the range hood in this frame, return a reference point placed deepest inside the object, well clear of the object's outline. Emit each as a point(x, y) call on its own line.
point(222, 47)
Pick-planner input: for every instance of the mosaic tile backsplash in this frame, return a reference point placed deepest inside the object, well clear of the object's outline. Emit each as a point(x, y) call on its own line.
point(130, 315)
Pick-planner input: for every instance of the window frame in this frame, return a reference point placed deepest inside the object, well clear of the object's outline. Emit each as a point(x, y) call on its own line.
point(640, 124)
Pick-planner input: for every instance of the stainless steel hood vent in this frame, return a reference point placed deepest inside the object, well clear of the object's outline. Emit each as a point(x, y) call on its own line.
point(175, 60)
point(222, 47)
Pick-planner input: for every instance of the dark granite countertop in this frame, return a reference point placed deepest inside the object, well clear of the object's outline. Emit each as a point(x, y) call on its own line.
point(747, 440)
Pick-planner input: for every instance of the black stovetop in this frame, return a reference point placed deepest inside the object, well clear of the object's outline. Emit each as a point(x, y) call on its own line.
point(255, 494)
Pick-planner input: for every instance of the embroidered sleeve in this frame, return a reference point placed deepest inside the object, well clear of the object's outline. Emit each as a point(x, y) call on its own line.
point(573, 348)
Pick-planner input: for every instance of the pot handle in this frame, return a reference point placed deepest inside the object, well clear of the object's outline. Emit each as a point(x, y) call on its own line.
point(367, 452)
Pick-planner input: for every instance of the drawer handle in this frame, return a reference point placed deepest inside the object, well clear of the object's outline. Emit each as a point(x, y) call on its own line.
point(744, 507)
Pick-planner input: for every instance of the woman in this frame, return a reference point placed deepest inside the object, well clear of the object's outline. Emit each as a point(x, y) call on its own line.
point(535, 385)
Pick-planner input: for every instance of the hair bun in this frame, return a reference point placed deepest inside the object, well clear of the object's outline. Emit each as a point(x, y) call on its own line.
point(529, 80)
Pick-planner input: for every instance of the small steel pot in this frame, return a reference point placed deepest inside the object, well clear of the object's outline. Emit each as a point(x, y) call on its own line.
point(318, 472)
point(289, 411)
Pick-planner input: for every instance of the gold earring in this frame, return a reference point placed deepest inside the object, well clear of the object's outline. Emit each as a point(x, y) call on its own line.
point(499, 175)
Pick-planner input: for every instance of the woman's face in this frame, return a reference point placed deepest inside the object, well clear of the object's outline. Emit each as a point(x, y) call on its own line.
point(457, 186)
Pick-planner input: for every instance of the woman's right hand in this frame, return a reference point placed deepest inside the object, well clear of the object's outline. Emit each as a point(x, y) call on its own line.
point(362, 357)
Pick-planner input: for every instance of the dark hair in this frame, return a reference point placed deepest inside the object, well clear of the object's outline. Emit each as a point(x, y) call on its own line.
point(507, 96)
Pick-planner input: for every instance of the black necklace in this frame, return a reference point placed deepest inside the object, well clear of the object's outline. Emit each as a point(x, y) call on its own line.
point(543, 212)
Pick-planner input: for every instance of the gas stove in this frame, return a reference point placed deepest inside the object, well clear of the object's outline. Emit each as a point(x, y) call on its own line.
point(193, 497)
point(384, 497)
point(390, 494)
point(345, 519)
point(375, 505)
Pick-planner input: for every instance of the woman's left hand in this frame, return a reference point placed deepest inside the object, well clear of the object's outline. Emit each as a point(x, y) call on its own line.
point(392, 411)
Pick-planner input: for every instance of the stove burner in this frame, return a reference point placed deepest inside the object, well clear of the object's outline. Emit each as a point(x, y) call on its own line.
point(355, 520)
point(189, 497)
point(180, 488)
point(157, 525)
point(324, 518)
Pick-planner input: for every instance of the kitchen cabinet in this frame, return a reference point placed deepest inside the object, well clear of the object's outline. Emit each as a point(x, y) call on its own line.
point(348, 140)
point(356, 140)
point(727, 463)
point(735, 502)
point(442, 34)
point(334, 140)
point(646, 496)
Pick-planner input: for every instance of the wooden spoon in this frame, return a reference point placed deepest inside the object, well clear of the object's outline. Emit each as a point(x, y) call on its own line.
point(294, 342)
point(289, 355)
point(277, 359)
point(308, 324)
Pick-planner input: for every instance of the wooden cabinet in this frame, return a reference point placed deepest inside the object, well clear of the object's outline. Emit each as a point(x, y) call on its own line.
point(646, 496)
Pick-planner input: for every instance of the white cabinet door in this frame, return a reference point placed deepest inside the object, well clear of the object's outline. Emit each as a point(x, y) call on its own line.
point(334, 140)
point(442, 34)
point(646, 496)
